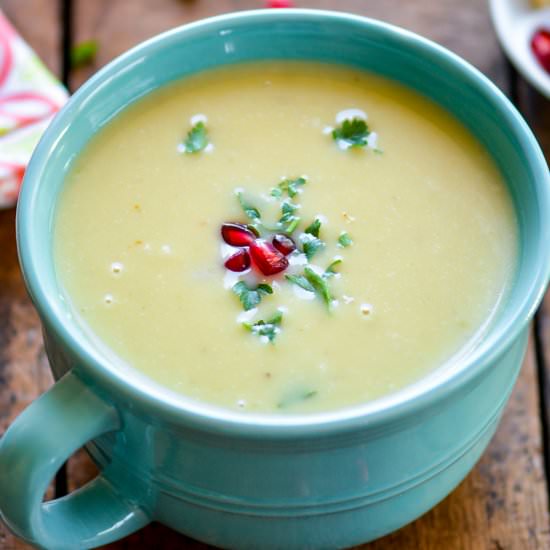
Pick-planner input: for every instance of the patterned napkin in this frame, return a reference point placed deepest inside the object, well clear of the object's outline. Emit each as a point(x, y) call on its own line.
point(29, 98)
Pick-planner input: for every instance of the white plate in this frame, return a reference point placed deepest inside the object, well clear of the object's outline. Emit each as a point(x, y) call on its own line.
point(515, 23)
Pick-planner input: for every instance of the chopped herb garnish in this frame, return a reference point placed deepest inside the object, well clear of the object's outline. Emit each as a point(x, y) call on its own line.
point(300, 281)
point(296, 396)
point(269, 328)
point(251, 297)
point(269, 256)
point(313, 282)
point(287, 211)
point(311, 245)
point(289, 186)
point(330, 271)
point(314, 227)
point(288, 217)
point(197, 138)
point(84, 53)
point(251, 211)
point(344, 239)
point(291, 227)
point(276, 319)
point(319, 284)
point(353, 132)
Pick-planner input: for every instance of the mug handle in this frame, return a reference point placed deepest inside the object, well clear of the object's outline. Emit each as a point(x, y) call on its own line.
point(33, 449)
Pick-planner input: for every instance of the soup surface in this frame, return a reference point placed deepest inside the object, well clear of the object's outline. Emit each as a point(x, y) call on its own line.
point(404, 237)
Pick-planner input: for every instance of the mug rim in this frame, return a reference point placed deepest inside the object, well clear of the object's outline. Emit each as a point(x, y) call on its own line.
point(217, 419)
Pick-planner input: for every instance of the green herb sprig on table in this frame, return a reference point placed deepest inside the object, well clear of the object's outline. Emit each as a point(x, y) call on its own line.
point(84, 53)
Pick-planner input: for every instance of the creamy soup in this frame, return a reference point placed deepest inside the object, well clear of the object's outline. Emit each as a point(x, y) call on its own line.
point(285, 237)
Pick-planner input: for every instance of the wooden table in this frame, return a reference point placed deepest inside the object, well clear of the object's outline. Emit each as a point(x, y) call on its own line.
point(503, 503)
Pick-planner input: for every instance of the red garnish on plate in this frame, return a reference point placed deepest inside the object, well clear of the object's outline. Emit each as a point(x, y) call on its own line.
point(540, 45)
point(237, 234)
point(240, 261)
point(267, 258)
point(279, 4)
point(285, 245)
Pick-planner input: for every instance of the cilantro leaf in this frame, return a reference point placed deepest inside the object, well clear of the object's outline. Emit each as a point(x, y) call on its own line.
point(276, 318)
point(289, 186)
point(265, 329)
point(330, 271)
point(314, 227)
point(288, 217)
point(251, 297)
point(287, 210)
point(197, 138)
point(291, 227)
point(311, 245)
point(251, 211)
point(312, 282)
point(292, 186)
point(269, 328)
point(319, 284)
point(300, 281)
point(353, 132)
point(344, 240)
point(264, 288)
point(84, 53)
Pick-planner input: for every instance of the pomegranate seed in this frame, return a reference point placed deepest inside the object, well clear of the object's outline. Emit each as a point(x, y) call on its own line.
point(279, 4)
point(237, 234)
point(267, 258)
point(285, 245)
point(240, 261)
point(540, 45)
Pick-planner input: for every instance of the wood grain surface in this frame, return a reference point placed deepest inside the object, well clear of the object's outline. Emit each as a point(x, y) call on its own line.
point(503, 503)
point(24, 371)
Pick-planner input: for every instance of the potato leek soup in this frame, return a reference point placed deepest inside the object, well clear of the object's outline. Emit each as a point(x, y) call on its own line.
point(285, 237)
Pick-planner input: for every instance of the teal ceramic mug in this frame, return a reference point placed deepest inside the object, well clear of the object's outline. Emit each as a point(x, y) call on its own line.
point(322, 481)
